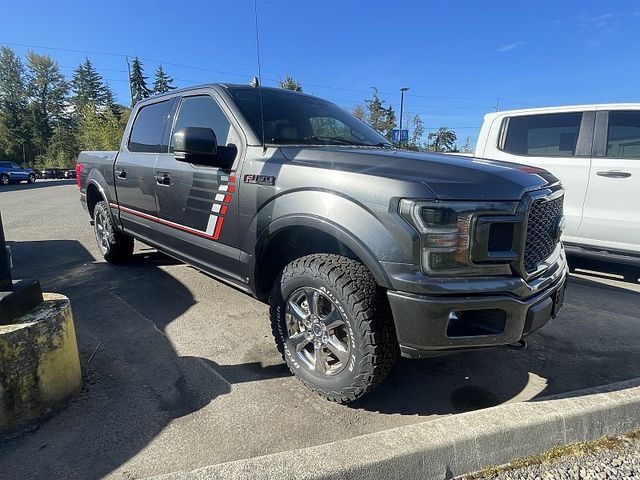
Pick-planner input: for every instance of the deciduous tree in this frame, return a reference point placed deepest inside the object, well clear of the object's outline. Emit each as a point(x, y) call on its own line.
point(443, 140)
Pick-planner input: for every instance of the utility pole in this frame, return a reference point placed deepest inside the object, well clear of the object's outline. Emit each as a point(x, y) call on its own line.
point(402, 90)
point(130, 86)
point(497, 104)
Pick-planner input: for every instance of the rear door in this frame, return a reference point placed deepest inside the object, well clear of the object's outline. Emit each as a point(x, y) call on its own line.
point(197, 204)
point(611, 216)
point(133, 170)
point(17, 172)
point(558, 142)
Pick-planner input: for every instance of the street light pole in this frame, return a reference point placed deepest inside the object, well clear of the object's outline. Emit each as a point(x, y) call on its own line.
point(402, 90)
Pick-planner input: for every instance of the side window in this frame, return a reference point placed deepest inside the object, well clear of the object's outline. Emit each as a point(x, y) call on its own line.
point(551, 135)
point(203, 111)
point(623, 136)
point(148, 128)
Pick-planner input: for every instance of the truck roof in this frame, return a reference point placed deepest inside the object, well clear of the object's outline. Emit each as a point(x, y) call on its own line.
point(220, 85)
point(566, 108)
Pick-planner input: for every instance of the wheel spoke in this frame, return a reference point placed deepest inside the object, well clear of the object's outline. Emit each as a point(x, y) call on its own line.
point(338, 349)
point(298, 341)
point(320, 364)
point(297, 311)
point(312, 300)
point(333, 319)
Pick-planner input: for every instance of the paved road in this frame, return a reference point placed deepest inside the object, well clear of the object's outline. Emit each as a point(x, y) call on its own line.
point(185, 374)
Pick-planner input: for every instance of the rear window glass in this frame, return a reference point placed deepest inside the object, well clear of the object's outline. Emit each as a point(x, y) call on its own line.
point(553, 135)
point(623, 138)
point(147, 134)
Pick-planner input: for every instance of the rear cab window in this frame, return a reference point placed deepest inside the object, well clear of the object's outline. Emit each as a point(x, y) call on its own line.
point(547, 135)
point(623, 134)
point(148, 130)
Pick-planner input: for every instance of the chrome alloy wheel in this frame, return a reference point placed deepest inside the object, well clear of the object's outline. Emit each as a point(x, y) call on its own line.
point(317, 331)
point(102, 231)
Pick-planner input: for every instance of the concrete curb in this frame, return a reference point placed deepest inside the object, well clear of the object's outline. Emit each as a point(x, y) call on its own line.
point(39, 364)
point(451, 446)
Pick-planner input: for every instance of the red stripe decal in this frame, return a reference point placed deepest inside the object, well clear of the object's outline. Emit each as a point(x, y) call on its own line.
point(216, 234)
point(172, 224)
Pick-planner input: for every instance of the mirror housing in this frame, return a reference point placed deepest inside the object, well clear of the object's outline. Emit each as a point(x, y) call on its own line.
point(195, 145)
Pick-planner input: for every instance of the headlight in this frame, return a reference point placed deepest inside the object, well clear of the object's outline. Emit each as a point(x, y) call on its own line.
point(445, 230)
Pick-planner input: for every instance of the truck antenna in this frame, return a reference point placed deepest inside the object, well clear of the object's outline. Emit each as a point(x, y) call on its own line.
point(259, 79)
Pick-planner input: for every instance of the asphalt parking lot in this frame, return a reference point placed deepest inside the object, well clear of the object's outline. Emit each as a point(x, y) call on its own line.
point(180, 371)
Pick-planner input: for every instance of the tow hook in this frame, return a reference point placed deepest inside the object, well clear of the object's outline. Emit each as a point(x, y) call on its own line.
point(519, 345)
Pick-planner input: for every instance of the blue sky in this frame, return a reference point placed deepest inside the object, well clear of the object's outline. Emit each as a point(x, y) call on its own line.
point(459, 58)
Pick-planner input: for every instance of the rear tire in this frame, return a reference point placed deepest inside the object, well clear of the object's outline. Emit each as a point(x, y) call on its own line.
point(333, 326)
point(31, 178)
point(115, 246)
point(4, 179)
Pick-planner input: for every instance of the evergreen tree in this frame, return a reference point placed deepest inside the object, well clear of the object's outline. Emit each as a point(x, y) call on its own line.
point(290, 83)
point(87, 86)
point(378, 117)
point(139, 89)
point(163, 82)
point(14, 135)
point(47, 91)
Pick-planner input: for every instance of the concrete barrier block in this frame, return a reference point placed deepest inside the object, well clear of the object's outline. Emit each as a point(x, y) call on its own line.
point(39, 364)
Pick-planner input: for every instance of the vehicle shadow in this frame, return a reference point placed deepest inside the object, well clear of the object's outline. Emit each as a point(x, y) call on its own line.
point(38, 184)
point(134, 382)
point(593, 342)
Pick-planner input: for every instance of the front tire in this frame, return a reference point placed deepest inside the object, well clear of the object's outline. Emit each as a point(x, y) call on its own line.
point(333, 326)
point(115, 246)
point(4, 179)
point(31, 178)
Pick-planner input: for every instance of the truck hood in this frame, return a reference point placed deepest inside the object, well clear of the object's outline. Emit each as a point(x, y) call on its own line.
point(449, 177)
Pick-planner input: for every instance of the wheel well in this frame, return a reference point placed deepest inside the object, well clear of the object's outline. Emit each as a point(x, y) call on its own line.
point(289, 244)
point(93, 197)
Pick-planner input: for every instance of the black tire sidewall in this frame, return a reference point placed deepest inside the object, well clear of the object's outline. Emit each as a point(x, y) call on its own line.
point(347, 377)
point(31, 178)
point(5, 179)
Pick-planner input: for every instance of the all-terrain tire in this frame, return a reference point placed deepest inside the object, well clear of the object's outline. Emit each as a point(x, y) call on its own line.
point(365, 310)
point(115, 246)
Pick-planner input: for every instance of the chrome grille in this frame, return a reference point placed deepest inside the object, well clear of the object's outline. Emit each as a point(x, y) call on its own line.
point(542, 229)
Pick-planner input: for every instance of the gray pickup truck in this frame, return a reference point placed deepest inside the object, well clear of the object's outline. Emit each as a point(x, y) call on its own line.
point(364, 251)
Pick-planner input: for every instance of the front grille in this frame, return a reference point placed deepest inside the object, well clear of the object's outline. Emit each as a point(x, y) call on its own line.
point(542, 230)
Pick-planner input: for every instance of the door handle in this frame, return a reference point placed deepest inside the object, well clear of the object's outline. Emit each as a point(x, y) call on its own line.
point(163, 178)
point(614, 174)
point(121, 173)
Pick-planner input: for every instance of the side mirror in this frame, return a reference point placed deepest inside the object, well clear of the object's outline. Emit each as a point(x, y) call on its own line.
point(195, 145)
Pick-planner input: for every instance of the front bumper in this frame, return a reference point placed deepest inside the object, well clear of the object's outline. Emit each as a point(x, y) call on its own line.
point(428, 325)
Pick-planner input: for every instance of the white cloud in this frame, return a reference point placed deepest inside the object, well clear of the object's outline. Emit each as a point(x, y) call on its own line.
point(506, 48)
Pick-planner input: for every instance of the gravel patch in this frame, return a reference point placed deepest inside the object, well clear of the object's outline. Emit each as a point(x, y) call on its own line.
point(608, 458)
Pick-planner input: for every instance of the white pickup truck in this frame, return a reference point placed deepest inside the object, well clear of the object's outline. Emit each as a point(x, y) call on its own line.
point(595, 152)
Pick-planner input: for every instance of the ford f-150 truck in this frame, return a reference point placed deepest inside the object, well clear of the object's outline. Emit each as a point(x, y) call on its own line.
point(364, 251)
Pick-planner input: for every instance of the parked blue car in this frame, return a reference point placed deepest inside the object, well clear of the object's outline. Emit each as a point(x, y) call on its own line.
point(12, 173)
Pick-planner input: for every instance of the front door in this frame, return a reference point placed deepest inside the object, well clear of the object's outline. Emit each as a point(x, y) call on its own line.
point(611, 217)
point(197, 205)
point(134, 169)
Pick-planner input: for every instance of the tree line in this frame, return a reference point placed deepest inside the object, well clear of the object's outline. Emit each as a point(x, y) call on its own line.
point(383, 119)
point(46, 119)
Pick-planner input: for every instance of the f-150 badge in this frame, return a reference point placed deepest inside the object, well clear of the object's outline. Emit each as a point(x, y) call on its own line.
point(260, 179)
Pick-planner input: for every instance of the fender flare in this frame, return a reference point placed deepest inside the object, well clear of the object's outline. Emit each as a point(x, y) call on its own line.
point(330, 228)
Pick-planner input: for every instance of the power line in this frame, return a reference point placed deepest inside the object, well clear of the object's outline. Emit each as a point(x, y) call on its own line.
point(247, 76)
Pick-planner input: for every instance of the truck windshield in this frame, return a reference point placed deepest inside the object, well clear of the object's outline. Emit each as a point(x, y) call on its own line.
point(292, 118)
